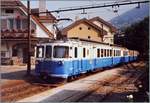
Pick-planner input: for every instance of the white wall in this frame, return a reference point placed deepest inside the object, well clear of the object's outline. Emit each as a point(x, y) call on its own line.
point(40, 32)
point(7, 47)
point(50, 27)
point(110, 36)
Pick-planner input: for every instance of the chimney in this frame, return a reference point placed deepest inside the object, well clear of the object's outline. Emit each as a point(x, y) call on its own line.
point(42, 7)
point(77, 18)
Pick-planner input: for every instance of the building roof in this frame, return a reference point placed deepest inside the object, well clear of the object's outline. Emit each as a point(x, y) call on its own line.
point(9, 3)
point(84, 20)
point(48, 18)
point(113, 29)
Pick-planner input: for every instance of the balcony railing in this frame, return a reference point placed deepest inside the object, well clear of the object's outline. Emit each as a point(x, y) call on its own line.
point(17, 31)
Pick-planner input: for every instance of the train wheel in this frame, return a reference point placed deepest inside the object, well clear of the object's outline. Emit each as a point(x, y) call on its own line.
point(69, 79)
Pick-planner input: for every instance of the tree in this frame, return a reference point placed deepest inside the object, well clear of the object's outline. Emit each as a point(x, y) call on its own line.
point(136, 37)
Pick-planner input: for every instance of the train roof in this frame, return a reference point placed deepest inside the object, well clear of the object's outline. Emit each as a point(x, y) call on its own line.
point(82, 40)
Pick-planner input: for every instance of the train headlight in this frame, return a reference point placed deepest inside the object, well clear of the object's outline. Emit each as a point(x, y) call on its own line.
point(61, 62)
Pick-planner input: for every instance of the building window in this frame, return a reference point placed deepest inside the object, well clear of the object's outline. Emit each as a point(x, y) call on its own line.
point(89, 28)
point(3, 54)
point(25, 24)
point(75, 52)
point(99, 35)
point(18, 23)
point(11, 23)
point(111, 40)
point(9, 11)
point(80, 28)
point(15, 51)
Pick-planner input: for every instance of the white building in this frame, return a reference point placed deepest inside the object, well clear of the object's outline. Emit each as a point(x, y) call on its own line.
point(14, 30)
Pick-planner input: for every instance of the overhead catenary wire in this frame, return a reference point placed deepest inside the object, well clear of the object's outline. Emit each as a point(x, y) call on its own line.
point(92, 7)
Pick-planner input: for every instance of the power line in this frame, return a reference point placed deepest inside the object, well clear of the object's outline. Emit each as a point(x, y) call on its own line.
point(93, 7)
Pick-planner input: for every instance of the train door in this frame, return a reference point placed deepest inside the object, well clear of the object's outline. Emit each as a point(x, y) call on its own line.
point(76, 64)
point(91, 57)
point(71, 64)
point(79, 58)
point(94, 56)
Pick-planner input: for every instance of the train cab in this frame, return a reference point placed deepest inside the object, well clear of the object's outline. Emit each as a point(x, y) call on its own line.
point(53, 59)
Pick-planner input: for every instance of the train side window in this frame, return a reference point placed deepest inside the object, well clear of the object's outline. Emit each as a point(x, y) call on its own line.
point(61, 52)
point(48, 51)
point(98, 52)
point(75, 52)
point(110, 52)
point(114, 52)
point(40, 51)
point(102, 52)
point(107, 52)
point(84, 52)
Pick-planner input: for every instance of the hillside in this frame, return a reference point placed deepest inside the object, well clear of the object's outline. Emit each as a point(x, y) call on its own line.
point(132, 16)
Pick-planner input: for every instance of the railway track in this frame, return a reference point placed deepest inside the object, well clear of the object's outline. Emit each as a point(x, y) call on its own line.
point(104, 87)
point(123, 83)
point(20, 90)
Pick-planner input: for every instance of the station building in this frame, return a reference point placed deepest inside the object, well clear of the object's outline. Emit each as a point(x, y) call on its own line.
point(95, 29)
point(84, 29)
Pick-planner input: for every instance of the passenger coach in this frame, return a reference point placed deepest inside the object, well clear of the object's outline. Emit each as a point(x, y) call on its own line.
point(66, 58)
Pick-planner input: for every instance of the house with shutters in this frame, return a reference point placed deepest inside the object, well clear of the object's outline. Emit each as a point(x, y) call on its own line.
point(14, 29)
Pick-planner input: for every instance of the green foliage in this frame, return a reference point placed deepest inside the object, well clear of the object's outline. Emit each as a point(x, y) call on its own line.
point(136, 37)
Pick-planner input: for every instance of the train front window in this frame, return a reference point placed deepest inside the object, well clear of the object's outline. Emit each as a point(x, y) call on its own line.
point(40, 52)
point(48, 51)
point(61, 52)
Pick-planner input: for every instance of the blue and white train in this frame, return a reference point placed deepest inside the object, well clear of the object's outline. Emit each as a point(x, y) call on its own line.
point(66, 58)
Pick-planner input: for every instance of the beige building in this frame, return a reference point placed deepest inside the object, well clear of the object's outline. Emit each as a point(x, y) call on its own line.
point(111, 30)
point(84, 29)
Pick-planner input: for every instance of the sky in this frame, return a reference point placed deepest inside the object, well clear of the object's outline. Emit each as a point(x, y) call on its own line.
point(105, 13)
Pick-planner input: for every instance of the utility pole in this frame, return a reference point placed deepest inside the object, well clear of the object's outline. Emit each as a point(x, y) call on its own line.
point(29, 41)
